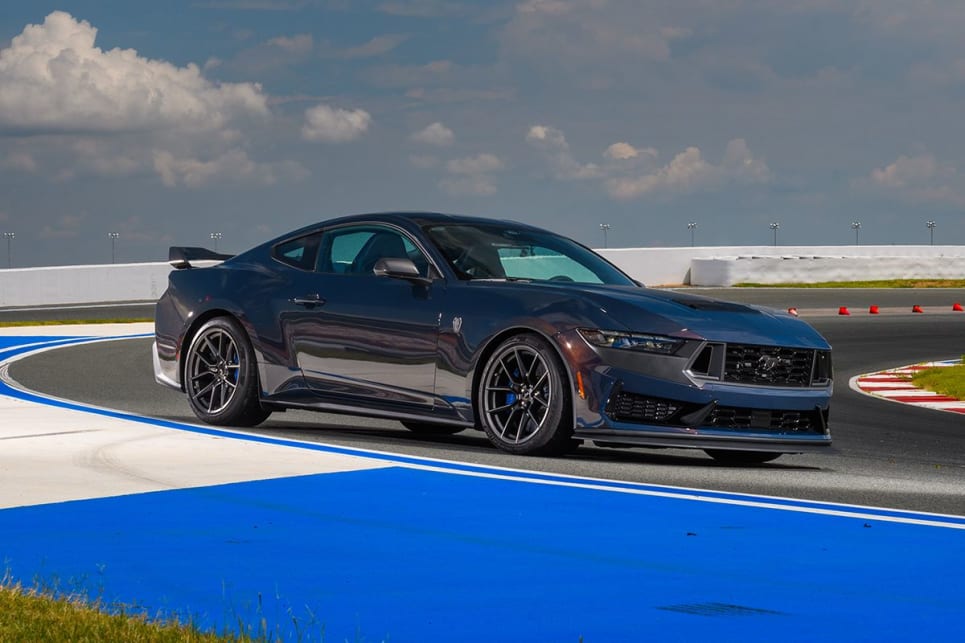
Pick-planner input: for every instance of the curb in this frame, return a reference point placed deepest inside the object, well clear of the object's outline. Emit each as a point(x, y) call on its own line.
point(892, 385)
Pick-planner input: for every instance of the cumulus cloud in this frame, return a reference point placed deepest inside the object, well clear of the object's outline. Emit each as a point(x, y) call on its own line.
point(325, 124)
point(919, 179)
point(54, 78)
point(472, 175)
point(434, 134)
point(233, 165)
point(621, 152)
point(690, 172)
point(552, 143)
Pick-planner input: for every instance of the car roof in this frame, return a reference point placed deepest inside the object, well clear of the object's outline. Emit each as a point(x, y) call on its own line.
point(417, 218)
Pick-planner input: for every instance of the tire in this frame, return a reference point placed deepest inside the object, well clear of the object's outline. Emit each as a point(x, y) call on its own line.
point(522, 398)
point(742, 457)
point(221, 377)
point(427, 428)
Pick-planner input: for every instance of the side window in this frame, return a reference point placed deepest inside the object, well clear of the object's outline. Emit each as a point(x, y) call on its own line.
point(356, 249)
point(298, 253)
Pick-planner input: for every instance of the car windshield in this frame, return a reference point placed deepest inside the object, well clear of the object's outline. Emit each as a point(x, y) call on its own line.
point(483, 251)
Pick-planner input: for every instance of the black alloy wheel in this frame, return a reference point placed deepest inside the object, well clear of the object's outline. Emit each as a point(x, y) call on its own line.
point(523, 400)
point(221, 378)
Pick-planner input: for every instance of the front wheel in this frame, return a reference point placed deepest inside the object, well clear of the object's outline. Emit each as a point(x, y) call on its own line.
point(220, 376)
point(523, 399)
point(742, 457)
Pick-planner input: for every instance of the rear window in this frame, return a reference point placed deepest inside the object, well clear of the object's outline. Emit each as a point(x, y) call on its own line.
point(298, 253)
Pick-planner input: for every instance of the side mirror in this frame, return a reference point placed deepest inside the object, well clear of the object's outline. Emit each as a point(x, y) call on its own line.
point(398, 268)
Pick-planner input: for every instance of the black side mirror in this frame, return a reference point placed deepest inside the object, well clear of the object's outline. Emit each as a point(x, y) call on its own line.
point(398, 268)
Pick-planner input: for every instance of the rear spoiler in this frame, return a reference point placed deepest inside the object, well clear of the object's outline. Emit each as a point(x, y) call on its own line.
point(181, 257)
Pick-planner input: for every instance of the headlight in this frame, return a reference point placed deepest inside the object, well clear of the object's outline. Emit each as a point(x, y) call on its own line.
point(632, 341)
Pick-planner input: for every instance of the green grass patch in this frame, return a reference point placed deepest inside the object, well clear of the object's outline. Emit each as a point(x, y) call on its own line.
point(28, 615)
point(887, 283)
point(946, 380)
point(69, 322)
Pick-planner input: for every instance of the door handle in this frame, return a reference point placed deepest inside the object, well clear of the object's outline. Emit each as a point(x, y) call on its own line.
point(309, 302)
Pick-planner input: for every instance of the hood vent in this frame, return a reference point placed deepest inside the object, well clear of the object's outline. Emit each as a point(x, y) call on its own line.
point(712, 305)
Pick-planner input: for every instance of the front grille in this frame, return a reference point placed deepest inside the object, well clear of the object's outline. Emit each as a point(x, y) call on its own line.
point(729, 417)
point(630, 407)
point(768, 365)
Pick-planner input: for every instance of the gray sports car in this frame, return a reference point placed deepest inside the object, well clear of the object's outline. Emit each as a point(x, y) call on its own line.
point(448, 323)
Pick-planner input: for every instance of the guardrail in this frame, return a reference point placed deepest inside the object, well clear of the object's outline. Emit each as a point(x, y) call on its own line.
point(701, 266)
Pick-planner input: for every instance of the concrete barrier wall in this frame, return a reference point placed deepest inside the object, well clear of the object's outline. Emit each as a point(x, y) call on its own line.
point(82, 284)
point(703, 266)
point(727, 265)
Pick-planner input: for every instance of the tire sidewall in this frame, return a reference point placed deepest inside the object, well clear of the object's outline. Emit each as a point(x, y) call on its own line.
point(554, 435)
point(236, 409)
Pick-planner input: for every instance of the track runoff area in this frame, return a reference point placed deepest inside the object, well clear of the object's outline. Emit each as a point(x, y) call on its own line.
point(307, 541)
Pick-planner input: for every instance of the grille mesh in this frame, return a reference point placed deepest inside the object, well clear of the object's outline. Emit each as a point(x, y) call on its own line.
point(768, 365)
point(728, 417)
point(630, 407)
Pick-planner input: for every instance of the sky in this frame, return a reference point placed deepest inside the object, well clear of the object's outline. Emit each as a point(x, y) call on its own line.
point(168, 121)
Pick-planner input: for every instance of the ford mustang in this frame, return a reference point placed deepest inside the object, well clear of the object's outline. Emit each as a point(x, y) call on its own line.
point(447, 323)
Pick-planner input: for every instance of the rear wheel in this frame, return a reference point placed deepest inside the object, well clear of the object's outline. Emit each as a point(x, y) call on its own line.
point(522, 398)
point(428, 428)
point(742, 457)
point(220, 375)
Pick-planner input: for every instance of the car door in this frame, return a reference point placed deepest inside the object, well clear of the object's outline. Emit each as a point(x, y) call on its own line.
point(364, 339)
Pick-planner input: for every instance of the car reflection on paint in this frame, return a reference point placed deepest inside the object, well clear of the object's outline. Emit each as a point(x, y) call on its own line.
point(448, 323)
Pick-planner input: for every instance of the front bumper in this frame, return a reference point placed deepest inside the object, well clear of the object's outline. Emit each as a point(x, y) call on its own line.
point(652, 400)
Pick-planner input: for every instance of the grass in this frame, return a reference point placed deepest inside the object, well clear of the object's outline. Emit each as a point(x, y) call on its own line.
point(29, 615)
point(946, 380)
point(885, 283)
point(67, 322)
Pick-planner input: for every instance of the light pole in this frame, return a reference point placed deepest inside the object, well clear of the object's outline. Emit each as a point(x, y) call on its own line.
point(113, 236)
point(931, 229)
point(775, 226)
point(604, 227)
point(692, 226)
point(9, 236)
point(217, 237)
point(856, 225)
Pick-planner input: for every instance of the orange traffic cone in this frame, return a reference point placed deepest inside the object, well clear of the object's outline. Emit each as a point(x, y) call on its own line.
point(873, 310)
point(957, 307)
point(843, 310)
point(793, 311)
point(916, 309)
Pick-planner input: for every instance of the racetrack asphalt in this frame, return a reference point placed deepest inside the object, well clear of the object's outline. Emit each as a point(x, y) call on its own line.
point(884, 455)
point(400, 553)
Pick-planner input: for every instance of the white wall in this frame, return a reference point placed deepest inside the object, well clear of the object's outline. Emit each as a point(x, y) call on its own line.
point(704, 266)
point(83, 284)
point(727, 265)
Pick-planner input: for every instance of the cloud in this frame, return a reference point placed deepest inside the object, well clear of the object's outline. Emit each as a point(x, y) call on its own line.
point(434, 134)
point(54, 79)
point(377, 46)
point(621, 152)
point(918, 179)
point(690, 172)
point(299, 45)
point(552, 143)
point(324, 124)
point(67, 226)
point(471, 176)
point(234, 166)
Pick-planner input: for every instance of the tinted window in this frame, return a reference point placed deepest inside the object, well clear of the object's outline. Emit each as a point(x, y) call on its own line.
point(298, 253)
point(356, 249)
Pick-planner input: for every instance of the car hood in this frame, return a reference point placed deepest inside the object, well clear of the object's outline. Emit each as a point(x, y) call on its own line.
point(680, 314)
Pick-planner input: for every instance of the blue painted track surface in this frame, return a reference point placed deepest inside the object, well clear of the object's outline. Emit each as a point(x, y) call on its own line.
point(410, 554)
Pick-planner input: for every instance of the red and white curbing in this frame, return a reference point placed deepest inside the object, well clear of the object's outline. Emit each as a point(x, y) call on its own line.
point(893, 385)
